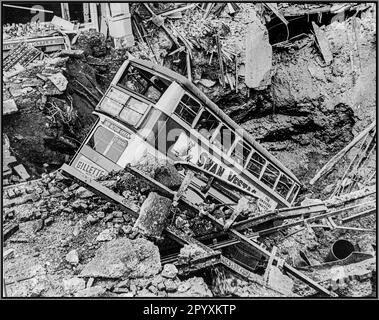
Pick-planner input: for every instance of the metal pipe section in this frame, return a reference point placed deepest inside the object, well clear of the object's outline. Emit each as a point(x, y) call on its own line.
point(340, 250)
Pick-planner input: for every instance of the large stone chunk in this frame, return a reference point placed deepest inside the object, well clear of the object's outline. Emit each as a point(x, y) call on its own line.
point(169, 271)
point(280, 282)
point(258, 56)
point(168, 176)
point(124, 258)
point(153, 215)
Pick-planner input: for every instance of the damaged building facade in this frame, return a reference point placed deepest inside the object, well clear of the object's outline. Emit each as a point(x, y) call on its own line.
point(189, 150)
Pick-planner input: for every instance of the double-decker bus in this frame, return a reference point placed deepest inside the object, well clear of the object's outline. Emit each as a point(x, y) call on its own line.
point(149, 109)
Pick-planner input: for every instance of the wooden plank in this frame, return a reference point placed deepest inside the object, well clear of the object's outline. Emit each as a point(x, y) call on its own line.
point(65, 11)
point(269, 264)
point(275, 10)
point(332, 162)
point(358, 215)
point(183, 187)
point(323, 44)
point(221, 64)
point(9, 230)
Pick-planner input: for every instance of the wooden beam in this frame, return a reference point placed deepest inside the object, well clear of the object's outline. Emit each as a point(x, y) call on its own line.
point(94, 16)
point(332, 162)
point(65, 11)
point(269, 264)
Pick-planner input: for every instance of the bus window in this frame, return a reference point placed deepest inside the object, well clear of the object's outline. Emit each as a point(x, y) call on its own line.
point(207, 124)
point(241, 152)
point(270, 175)
point(187, 109)
point(107, 143)
point(284, 185)
point(224, 138)
point(256, 164)
point(143, 82)
point(133, 111)
point(293, 193)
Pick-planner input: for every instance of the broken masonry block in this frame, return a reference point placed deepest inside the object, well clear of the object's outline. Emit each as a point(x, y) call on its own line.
point(168, 176)
point(153, 215)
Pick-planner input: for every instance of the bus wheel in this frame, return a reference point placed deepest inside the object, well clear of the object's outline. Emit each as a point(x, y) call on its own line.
point(153, 215)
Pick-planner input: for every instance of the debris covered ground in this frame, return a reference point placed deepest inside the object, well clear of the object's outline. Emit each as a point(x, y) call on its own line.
point(310, 97)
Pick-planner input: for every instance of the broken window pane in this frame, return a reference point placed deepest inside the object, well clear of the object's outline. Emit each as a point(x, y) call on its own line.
point(284, 186)
point(293, 193)
point(241, 152)
point(270, 175)
point(140, 81)
point(107, 143)
point(133, 111)
point(187, 109)
point(256, 164)
point(207, 124)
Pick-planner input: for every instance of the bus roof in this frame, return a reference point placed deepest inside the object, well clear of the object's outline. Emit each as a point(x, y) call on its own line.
point(183, 81)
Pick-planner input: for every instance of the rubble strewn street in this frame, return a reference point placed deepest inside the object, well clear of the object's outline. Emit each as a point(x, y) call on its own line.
point(82, 217)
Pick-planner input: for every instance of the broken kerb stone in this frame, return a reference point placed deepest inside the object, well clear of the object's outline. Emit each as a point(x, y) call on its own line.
point(124, 258)
point(153, 215)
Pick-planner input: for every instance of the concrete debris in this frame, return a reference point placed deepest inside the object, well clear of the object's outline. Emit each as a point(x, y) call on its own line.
point(59, 81)
point(9, 107)
point(193, 287)
point(153, 215)
point(73, 285)
point(124, 258)
point(95, 291)
point(190, 252)
point(258, 62)
point(278, 281)
point(323, 44)
point(106, 235)
point(169, 271)
point(72, 257)
point(21, 171)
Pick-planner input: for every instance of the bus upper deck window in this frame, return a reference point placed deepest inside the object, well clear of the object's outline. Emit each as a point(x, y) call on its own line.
point(284, 185)
point(270, 175)
point(207, 124)
point(187, 109)
point(293, 193)
point(224, 138)
point(241, 152)
point(133, 111)
point(107, 143)
point(143, 82)
point(256, 164)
